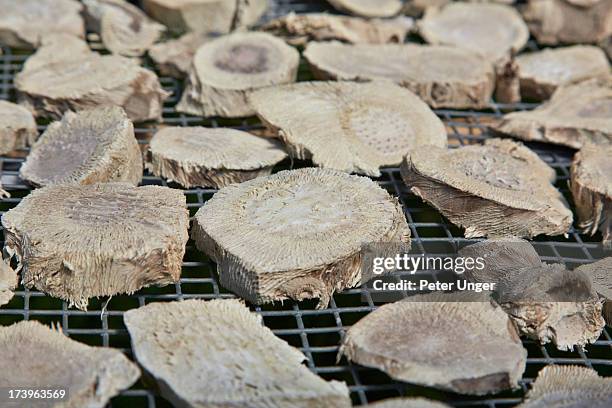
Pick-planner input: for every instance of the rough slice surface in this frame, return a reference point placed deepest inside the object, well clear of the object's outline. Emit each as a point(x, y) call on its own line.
point(17, 127)
point(173, 57)
point(224, 357)
point(407, 403)
point(34, 355)
point(8, 282)
point(368, 8)
point(92, 146)
point(227, 69)
point(211, 157)
point(497, 189)
point(296, 234)
point(601, 277)
point(57, 48)
point(476, 348)
point(442, 76)
point(349, 126)
point(81, 241)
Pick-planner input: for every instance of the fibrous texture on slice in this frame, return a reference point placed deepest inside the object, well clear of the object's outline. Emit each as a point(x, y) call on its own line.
point(298, 29)
point(493, 30)
point(368, 8)
point(211, 157)
point(225, 70)
point(173, 57)
point(123, 27)
point(591, 186)
point(8, 282)
point(17, 127)
point(574, 116)
point(296, 234)
point(33, 356)
point(24, 23)
point(569, 386)
point(476, 350)
point(565, 22)
point(81, 241)
point(443, 77)
point(224, 357)
point(543, 71)
point(600, 273)
point(92, 146)
point(407, 403)
point(354, 127)
point(57, 48)
point(498, 189)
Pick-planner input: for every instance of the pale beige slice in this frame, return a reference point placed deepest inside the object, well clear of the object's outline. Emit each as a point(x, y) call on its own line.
point(17, 127)
point(600, 273)
point(218, 354)
point(92, 146)
point(173, 58)
point(8, 282)
point(498, 189)
point(296, 234)
point(35, 356)
point(348, 126)
point(447, 341)
point(57, 48)
point(442, 76)
point(225, 70)
point(211, 157)
point(76, 242)
point(368, 8)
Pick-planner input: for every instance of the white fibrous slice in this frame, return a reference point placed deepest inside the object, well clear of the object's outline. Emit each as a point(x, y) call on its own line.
point(368, 8)
point(173, 57)
point(218, 354)
point(17, 127)
point(8, 282)
point(296, 234)
point(600, 275)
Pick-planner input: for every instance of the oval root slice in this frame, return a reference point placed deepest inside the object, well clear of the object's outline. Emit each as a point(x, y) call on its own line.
point(368, 8)
point(17, 127)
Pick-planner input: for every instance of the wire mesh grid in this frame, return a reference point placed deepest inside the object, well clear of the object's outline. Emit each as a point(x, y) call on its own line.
point(316, 333)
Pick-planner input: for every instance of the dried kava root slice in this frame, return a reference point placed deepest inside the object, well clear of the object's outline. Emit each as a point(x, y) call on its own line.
point(591, 187)
point(91, 146)
point(211, 157)
point(546, 302)
point(296, 234)
point(407, 403)
point(354, 127)
point(17, 127)
point(600, 273)
point(443, 77)
point(123, 27)
point(76, 242)
point(57, 48)
point(298, 29)
point(35, 356)
point(8, 282)
point(173, 58)
point(497, 189)
point(542, 72)
point(575, 115)
point(24, 23)
point(224, 357)
point(477, 350)
point(224, 71)
point(569, 386)
point(368, 8)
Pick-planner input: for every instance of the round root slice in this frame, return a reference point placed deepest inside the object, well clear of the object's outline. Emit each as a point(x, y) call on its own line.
point(353, 127)
point(569, 386)
point(407, 403)
point(91, 81)
point(368, 8)
point(219, 354)
point(574, 116)
point(17, 127)
point(493, 30)
point(600, 275)
point(94, 146)
point(33, 355)
point(224, 71)
point(591, 187)
point(8, 282)
point(296, 234)
point(82, 241)
point(543, 71)
point(499, 189)
point(446, 341)
point(443, 77)
point(173, 58)
point(181, 16)
point(211, 157)
point(24, 23)
point(123, 27)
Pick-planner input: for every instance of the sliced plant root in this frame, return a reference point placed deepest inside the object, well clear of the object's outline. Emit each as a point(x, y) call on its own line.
point(17, 127)
point(497, 189)
point(227, 69)
point(296, 234)
point(349, 126)
point(416, 8)
point(34, 355)
point(57, 48)
point(173, 58)
point(92, 146)
point(82, 241)
point(470, 333)
point(575, 115)
point(443, 77)
point(8, 282)
point(407, 403)
point(225, 348)
point(507, 80)
point(601, 277)
point(249, 12)
point(211, 157)
point(368, 8)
